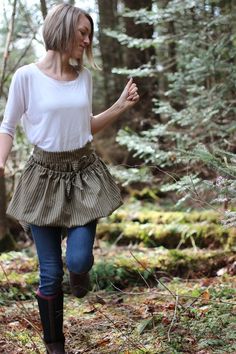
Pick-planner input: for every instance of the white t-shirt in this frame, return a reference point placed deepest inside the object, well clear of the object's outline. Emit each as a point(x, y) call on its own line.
point(56, 115)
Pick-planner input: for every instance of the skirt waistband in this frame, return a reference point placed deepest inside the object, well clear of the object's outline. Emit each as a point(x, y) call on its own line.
point(63, 156)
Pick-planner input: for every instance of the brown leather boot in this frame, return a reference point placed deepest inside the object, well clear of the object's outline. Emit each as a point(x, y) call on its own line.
point(51, 314)
point(55, 348)
point(80, 284)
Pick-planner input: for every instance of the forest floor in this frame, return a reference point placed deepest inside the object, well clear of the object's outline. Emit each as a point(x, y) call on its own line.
point(144, 299)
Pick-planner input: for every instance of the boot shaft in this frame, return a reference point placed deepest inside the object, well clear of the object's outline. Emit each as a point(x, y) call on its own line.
point(51, 314)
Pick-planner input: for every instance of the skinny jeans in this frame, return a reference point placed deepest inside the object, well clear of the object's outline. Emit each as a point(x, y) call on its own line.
point(79, 253)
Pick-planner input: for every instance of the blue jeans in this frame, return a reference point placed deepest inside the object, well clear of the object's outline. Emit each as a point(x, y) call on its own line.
point(79, 253)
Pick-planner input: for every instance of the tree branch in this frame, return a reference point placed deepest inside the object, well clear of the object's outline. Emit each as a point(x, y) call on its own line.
point(8, 43)
point(43, 6)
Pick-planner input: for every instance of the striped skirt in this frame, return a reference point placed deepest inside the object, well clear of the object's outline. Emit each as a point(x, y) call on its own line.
point(64, 189)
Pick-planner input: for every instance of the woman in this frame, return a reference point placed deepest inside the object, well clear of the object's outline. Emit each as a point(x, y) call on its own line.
point(64, 183)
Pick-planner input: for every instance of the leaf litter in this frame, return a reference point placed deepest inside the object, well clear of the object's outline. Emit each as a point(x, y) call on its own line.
point(183, 316)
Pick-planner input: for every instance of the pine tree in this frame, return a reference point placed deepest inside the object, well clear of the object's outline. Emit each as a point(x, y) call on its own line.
point(193, 138)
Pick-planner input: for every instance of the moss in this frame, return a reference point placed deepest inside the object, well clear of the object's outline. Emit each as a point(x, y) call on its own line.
point(164, 217)
point(109, 231)
point(123, 268)
point(18, 276)
point(154, 228)
point(169, 235)
point(231, 242)
point(32, 278)
point(26, 339)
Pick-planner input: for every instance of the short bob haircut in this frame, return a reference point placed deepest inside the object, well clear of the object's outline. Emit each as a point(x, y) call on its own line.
point(59, 30)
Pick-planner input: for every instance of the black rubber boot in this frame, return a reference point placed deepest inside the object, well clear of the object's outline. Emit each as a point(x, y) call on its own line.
point(51, 314)
point(80, 284)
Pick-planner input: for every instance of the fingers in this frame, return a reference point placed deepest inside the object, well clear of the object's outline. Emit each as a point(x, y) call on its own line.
point(133, 89)
point(133, 98)
point(133, 93)
point(129, 84)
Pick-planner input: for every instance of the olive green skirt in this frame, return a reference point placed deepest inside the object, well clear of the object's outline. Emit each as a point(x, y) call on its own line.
point(64, 189)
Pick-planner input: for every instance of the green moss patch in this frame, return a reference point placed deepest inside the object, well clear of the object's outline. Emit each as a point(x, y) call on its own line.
point(170, 235)
point(122, 267)
point(147, 215)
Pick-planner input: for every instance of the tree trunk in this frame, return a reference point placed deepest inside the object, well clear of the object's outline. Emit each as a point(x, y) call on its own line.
point(166, 55)
point(111, 50)
point(7, 242)
point(134, 58)
point(172, 47)
point(112, 84)
point(7, 46)
point(5, 239)
point(3, 222)
point(43, 6)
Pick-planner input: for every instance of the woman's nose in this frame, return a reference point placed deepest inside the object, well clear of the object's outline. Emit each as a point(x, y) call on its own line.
point(87, 40)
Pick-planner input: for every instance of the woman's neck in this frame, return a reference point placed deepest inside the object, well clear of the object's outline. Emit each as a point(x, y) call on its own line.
point(57, 66)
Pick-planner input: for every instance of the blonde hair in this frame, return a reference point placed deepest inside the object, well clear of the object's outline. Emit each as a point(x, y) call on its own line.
point(59, 30)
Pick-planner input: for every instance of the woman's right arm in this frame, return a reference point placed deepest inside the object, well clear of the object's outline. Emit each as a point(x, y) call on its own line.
point(5, 148)
point(15, 107)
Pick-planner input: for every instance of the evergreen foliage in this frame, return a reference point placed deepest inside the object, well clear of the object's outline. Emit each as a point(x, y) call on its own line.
point(192, 138)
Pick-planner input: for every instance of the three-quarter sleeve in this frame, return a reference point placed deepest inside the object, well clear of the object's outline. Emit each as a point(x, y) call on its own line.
point(15, 106)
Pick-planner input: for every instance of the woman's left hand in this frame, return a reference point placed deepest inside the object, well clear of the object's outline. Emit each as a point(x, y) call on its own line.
point(127, 99)
point(129, 96)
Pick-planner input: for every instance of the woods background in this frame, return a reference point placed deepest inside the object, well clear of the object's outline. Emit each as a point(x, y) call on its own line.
point(180, 137)
point(165, 262)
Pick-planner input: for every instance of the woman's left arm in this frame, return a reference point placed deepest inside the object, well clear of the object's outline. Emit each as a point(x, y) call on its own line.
point(127, 99)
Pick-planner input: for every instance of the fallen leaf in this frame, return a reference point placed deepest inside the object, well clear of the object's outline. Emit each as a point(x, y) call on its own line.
point(165, 320)
point(103, 342)
point(170, 306)
point(205, 295)
point(89, 309)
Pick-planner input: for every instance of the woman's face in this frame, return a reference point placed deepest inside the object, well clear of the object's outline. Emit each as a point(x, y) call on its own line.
point(82, 37)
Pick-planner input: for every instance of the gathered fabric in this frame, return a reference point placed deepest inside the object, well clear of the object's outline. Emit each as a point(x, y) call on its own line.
point(67, 189)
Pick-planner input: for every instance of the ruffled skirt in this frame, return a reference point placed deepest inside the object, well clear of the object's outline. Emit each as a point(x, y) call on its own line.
point(64, 189)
